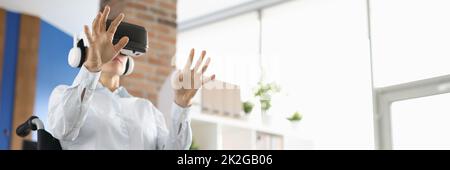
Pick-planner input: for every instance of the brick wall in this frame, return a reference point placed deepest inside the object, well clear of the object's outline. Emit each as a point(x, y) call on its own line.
point(159, 18)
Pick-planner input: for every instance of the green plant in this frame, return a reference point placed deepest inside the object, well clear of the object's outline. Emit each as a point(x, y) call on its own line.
point(264, 92)
point(247, 106)
point(295, 117)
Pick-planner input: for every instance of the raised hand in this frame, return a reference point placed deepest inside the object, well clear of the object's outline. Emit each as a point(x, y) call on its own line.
point(188, 80)
point(101, 48)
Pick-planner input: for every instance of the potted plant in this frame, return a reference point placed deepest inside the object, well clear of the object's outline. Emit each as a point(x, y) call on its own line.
point(295, 119)
point(264, 93)
point(247, 107)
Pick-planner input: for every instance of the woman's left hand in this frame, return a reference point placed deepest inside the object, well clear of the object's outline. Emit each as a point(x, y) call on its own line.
point(187, 81)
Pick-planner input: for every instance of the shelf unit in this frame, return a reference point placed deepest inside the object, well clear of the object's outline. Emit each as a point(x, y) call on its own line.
point(214, 132)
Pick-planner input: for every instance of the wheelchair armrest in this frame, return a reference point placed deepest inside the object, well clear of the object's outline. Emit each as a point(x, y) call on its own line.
point(33, 123)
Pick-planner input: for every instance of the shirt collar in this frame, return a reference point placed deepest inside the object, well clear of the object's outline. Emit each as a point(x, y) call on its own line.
point(121, 91)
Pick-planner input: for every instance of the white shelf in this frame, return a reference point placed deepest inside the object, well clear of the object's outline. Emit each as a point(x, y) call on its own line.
point(240, 123)
point(219, 132)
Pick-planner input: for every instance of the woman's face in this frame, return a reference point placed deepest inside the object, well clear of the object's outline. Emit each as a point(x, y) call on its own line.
point(116, 65)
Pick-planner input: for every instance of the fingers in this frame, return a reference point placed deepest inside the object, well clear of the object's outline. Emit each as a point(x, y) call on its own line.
point(181, 75)
point(95, 23)
point(121, 44)
point(190, 81)
point(190, 58)
point(176, 80)
point(113, 27)
point(206, 65)
point(208, 79)
point(178, 75)
point(199, 61)
point(88, 34)
point(103, 19)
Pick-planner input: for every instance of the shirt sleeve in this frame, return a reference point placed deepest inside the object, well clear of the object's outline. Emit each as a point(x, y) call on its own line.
point(178, 134)
point(68, 105)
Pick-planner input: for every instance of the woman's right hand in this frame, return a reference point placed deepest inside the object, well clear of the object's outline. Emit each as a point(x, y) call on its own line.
point(101, 48)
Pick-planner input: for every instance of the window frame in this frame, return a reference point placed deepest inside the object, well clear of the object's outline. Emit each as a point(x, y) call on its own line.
point(385, 96)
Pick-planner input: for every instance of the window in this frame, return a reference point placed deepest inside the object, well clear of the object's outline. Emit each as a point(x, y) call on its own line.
point(411, 40)
point(233, 47)
point(421, 123)
point(410, 56)
point(318, 51)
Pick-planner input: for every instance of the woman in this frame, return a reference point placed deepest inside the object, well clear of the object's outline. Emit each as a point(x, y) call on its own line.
point(95, 112)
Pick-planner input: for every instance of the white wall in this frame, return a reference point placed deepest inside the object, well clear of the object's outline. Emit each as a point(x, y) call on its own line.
point(67, 15)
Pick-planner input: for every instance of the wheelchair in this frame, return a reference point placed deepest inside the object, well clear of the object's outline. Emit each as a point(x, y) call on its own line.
point(45, 141)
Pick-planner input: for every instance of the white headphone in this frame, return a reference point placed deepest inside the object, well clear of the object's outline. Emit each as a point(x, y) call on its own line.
point(77, 56)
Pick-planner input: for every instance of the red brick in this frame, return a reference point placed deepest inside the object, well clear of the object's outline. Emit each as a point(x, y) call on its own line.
point(156, 61)
point(167, 22)
point(151, 34)
point(136, 93)
point(171, 6)
point(168, 39)
point(158, 11)
point(137, 75)
point(163, 70)
point(153, 98)
point(147, 87)
point(173, 16)
point(161, 28)
point(138, 6)
point(145, 17)
point(141, 59)
point(157, 46)
point(157, 79)
point(126, 81)
point(136, 21)
point(167, 55)
point(150, 2)
point(143, 67)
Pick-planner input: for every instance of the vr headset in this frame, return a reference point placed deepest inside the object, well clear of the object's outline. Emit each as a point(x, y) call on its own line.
point(137, 45)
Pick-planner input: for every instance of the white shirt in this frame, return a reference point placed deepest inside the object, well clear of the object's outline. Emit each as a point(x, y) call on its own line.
point(112, 120)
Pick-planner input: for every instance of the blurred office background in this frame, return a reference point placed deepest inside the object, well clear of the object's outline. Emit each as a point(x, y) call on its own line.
point(334, 74)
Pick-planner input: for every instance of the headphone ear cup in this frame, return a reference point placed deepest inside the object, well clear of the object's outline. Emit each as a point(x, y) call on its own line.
point(77, 55)
point(129, 66)
point(74, 58)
